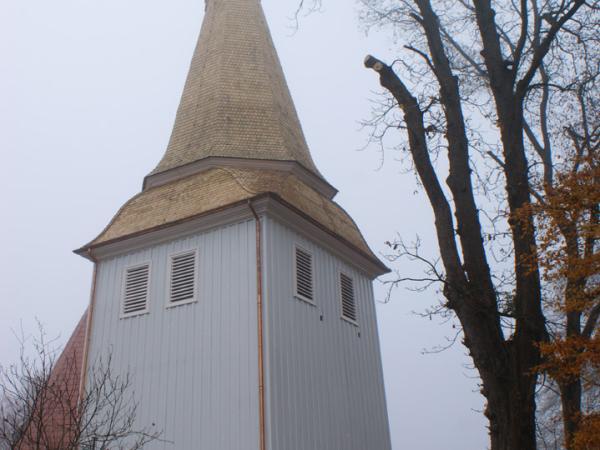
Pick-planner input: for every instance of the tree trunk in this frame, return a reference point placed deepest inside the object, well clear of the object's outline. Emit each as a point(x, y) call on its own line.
point(530, 324)
point(507, 369)
point(512, 421)
point(509, 390)
point(570, 395)
point(571, 388)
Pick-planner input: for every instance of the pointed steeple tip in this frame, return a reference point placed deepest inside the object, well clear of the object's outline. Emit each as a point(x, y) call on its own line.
point(236, 103)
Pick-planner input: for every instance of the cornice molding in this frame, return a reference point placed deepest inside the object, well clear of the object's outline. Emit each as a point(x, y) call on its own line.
point(212, 162)
point(312, 230)
point(265, 205)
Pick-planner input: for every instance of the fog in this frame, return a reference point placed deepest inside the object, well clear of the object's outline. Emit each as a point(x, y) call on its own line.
point(89, 91)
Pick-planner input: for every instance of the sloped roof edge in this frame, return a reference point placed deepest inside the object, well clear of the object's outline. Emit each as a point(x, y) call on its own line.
point(220, 188)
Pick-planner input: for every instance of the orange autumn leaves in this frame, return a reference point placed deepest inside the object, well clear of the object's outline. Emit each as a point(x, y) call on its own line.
point(568, 234)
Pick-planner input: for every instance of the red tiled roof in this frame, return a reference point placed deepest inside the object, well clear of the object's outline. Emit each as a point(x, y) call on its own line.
point(53, 424)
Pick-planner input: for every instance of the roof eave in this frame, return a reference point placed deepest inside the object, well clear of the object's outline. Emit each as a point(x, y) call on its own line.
point(89, 250)
point(312, 179)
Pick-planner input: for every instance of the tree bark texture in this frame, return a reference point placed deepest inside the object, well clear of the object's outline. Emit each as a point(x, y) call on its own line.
point(508, 389)
point(507, 366)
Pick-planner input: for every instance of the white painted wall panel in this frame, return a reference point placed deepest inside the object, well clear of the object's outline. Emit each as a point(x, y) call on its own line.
point(194, 367)
point(324, 377)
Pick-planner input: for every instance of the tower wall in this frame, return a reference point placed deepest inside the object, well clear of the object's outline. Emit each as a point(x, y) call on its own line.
point(193, 367)
point(324, 374)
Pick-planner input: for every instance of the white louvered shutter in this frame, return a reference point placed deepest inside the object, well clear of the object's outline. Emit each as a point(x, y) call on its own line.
point(348, 299)
point(183, 278)
point(304, 275)
point(135, 298)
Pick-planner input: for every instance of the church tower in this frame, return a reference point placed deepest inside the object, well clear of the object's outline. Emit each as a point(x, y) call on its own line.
point(232, 289)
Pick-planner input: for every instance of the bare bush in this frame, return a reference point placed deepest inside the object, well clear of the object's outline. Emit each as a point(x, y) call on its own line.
point(42, 408)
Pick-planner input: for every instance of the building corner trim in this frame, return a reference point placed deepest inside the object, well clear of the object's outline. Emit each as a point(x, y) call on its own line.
point(88, 330)
point(259, 313)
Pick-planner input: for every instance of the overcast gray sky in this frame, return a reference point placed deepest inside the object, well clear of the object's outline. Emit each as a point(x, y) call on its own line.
point(88, 94)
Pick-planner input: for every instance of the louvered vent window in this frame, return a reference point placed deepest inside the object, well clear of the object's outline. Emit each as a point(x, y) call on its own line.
point(135, 298)
point(348, 299)
point(304, 275)
point(183, 278)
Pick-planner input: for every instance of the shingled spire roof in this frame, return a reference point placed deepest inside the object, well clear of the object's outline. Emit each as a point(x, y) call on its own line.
point(236, 103)
point(236, 138)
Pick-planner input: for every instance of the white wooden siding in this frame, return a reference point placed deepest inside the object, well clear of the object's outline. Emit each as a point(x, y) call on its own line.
point(194, 367)
point(324, 377)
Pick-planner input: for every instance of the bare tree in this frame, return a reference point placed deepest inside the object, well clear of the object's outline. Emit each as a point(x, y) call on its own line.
point(496, 87)
point(41, 407)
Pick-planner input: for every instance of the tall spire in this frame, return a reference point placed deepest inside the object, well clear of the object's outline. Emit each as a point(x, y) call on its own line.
point(236, 103)
point(236, 138)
